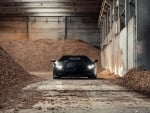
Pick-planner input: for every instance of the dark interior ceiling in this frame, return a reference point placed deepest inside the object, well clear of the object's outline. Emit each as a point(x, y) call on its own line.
point(40, 8)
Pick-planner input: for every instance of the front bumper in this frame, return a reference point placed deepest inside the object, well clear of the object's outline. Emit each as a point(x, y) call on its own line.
point(73, 72)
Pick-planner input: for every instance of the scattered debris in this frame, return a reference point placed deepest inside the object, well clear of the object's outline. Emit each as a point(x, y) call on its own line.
point(50, 108)
point(36, 55)
point(39, 108)
point(16, 110)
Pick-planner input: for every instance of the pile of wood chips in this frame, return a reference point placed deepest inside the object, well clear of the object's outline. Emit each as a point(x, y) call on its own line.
point(12, 77)
point(35, 56)
point(137, 79)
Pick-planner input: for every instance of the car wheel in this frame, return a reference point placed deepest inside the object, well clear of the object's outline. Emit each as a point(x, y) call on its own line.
point(92, 77)
point(55, 76)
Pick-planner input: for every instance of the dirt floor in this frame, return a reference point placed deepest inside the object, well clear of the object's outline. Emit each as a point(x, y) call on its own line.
point(77, 96)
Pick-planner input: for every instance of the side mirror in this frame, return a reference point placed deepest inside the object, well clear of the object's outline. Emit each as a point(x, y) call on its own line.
point(96, 61)
point(53, 60)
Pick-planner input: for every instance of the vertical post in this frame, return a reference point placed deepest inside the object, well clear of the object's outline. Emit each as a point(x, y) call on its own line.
point(126, 24)
point(66, 22)
point(136, 31)
point(118, 1)
point(110, 17)
point(105, 27)
point(107, 19)
point(28, 28)
point(113, 10)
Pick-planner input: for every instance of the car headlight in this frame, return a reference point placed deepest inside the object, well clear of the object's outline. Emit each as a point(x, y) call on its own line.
point(91, 66)
point(58, 65)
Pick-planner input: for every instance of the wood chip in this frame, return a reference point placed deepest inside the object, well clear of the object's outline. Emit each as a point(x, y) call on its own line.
point(12, 77)
point(36, 55)
point(137, 79)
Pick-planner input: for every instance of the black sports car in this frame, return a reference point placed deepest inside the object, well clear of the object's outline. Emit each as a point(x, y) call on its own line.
point(74, 66)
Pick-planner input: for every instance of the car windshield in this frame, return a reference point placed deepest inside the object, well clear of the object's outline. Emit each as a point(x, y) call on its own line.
point(75, 58)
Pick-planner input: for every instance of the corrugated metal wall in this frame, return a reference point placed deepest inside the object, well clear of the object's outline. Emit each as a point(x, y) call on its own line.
point(11, 30)
point(34, 28)
point(143, 34)
point(83, 29)
point(46, 28)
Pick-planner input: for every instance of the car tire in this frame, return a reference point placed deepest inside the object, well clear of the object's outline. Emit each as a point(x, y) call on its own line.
point(55, 76)
point(92, 77)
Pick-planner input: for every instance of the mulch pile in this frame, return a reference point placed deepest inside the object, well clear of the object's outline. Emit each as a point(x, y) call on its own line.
point(12, 77)
point(136, 79)
point(36, 56)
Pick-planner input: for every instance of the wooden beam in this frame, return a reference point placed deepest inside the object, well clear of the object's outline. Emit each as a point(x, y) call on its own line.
point(49, 14)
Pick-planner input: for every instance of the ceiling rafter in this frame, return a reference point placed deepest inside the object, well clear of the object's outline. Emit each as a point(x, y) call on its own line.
point(49, 7)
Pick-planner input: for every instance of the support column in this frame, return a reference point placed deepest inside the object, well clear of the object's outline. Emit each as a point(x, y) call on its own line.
point(66, 30)
point(126, 24)
point(28, 28)
point(136, 33)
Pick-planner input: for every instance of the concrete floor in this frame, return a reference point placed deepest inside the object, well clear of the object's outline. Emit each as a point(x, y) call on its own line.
point(83, 96)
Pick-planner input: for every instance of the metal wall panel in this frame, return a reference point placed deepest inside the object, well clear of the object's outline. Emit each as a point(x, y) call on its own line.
point(131, 43)
point(11, 30)
point(84, 30)
point(35, 28)
point(46, 30)
point(114, 56)
point(143, 34)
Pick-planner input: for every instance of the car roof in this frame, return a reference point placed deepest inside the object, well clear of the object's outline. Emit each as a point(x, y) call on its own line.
point(74, 56)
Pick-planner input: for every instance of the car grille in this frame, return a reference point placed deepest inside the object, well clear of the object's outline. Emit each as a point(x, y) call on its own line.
point(73, 66)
